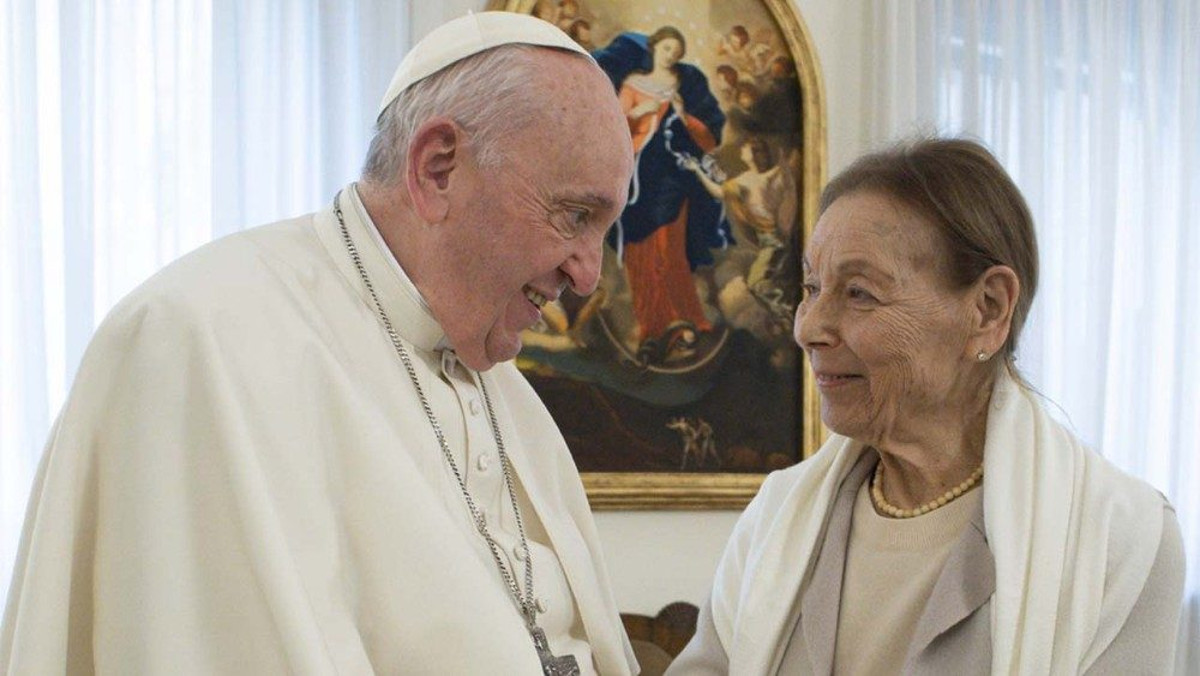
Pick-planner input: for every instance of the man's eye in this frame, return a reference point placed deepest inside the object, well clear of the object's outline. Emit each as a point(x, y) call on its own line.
point(574, 221)
point(808, 290)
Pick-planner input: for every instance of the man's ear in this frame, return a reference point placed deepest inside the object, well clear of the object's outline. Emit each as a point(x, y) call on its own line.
point(433, 155)
point(996, 293)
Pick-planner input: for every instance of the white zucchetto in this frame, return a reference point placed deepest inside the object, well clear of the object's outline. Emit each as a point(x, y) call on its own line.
point(455, 40)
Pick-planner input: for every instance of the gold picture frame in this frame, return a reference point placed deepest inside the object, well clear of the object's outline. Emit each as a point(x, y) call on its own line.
point(759, 41)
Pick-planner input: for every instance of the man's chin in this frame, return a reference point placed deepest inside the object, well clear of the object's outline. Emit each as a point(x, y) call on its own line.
point(498, 351)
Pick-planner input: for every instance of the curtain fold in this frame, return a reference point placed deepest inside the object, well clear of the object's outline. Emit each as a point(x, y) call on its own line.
point(23, 344)
point(1093, 107)
point(131, 133)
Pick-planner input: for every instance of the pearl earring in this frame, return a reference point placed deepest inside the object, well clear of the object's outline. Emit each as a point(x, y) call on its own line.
point(981, 355)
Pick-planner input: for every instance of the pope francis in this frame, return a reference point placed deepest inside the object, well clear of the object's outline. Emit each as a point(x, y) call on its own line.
point(304, 448)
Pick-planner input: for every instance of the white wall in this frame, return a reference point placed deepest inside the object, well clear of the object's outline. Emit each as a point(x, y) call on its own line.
point(659, 557)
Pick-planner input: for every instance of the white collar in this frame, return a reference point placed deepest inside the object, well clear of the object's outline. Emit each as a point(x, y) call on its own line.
point(401, 300)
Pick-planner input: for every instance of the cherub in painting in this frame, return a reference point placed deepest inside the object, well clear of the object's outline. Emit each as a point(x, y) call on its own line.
point(761, 201)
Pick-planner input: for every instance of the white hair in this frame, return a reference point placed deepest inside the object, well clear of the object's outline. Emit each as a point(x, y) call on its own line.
point(489, 94)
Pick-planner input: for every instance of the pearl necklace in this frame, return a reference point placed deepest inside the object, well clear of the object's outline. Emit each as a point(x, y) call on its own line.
point(895, 512)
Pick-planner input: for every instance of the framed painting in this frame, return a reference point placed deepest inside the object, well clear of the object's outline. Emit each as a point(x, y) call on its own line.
point(677, 384)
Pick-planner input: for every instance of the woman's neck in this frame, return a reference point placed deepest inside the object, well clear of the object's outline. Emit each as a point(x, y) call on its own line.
point(925, 461)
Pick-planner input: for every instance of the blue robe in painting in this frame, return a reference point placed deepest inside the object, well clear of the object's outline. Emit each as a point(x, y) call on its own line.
point(662, 184)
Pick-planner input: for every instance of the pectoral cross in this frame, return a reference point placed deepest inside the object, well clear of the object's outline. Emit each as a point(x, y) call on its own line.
point(552, 665)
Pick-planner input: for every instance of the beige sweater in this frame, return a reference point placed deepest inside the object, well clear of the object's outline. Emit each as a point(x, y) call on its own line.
point(891, 568)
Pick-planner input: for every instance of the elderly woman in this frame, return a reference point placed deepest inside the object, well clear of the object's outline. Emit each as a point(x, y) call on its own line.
point(949, 525)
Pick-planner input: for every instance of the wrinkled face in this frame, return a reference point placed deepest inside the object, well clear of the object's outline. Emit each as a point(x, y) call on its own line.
point(667, 52)
point(883, 329)
point(535, 224)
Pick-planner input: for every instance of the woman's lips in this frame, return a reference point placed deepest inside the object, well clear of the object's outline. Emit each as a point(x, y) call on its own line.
point(830, 380)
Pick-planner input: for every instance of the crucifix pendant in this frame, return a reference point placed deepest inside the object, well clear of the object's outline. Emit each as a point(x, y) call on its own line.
point(552, 665)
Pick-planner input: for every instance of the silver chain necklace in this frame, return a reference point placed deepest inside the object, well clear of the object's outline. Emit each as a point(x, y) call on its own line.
point(552, 665)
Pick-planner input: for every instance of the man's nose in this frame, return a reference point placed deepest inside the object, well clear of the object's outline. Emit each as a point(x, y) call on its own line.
point(583, 267)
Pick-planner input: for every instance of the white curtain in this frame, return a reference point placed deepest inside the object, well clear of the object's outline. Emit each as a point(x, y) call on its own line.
point(133, 132)
point(1094, 108)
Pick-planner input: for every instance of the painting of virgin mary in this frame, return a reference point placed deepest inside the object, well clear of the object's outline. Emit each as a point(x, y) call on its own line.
point(671, 224)
point(676, 382)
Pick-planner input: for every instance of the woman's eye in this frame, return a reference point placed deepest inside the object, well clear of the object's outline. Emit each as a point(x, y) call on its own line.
point(858, 293)
point(808, 290)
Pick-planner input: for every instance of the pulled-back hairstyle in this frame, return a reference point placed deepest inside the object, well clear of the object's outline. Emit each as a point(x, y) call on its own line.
point(960, 188)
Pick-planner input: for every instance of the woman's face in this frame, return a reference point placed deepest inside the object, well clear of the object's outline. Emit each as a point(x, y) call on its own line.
point(667, 52)
point(884, 331)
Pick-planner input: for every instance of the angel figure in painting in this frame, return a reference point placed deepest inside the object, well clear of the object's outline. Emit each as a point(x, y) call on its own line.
point(761, 202)
point(671, 223)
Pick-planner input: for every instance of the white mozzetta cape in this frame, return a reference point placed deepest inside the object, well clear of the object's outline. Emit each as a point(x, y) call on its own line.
point(1072, 536)
point(235, 485)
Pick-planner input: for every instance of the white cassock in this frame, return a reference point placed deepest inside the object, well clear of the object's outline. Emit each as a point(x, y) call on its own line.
point(243, 481)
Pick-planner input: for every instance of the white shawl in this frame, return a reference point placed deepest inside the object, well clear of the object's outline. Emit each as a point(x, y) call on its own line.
point(1073, 538)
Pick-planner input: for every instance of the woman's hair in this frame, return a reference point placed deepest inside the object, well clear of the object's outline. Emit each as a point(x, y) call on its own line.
point(960, 188)
point(664, 33)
